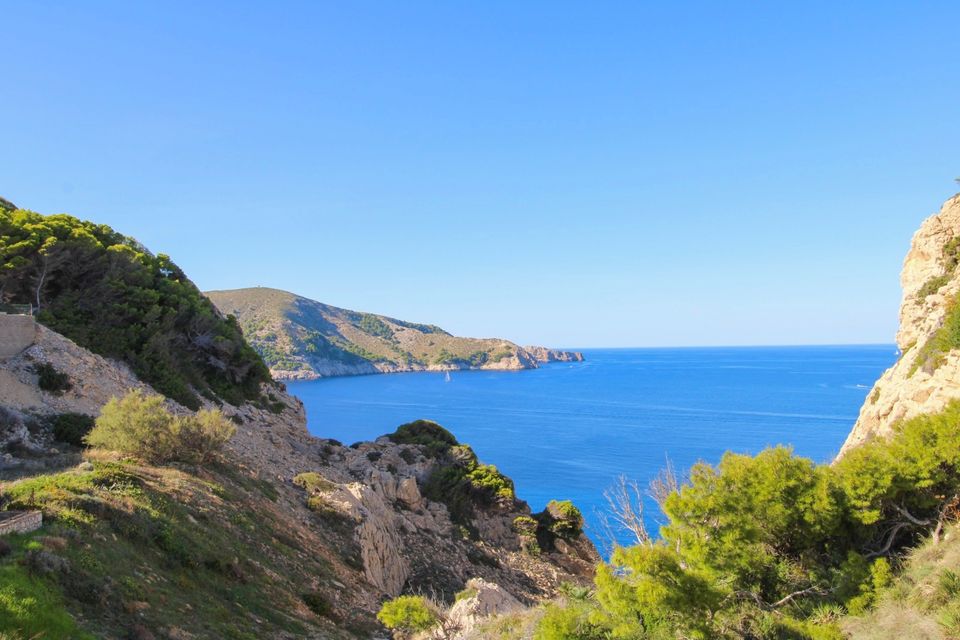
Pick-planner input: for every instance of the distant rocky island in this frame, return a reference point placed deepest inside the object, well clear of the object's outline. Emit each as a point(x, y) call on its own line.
point(302, 339)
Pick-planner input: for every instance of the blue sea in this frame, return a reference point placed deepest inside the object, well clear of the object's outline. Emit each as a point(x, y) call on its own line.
point(567, 430)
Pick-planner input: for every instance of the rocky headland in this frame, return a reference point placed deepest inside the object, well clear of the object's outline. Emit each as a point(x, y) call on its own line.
point(302, 339)
point(927, 375)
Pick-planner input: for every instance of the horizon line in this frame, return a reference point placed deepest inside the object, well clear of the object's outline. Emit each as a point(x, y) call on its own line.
point(738, 346)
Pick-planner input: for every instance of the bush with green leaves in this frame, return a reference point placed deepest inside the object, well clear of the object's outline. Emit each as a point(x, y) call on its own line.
point(463, 484)
point(408, 614)
point(759, 546)
point(458, 480)
point(427, 433)
point(525, 526)
point(51, 379)
point(140, 425)
point(71, 428)
point(563, 519)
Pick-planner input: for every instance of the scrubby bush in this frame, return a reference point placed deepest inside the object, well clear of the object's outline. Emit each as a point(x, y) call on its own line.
point(140, 425)
point(312, 482)
point(465, 484)
point(571, 621)
point(407, 614)
point(459, 480)
point(563, 519)
point(760, 546)
point(71, 428)
point(465, 594)
point(934, 351)
point(431, 435)
point(525, 526)
point(49, 378)
point(318, 603)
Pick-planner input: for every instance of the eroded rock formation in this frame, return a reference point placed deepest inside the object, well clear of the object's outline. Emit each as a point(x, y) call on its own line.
point(927, 375)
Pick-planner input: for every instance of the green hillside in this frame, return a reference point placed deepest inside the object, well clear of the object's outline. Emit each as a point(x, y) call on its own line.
point(108, 293)
point(302, 338)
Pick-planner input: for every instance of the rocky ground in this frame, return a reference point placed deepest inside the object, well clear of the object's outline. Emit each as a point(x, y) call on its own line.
point(402, 542)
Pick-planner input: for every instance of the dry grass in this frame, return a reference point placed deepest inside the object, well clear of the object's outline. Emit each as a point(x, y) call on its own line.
point(924, 601)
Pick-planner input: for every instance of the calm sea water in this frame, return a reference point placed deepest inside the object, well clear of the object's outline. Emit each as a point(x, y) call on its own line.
point(568, 430)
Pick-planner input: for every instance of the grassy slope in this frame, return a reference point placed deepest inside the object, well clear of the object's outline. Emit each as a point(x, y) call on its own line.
point(208, 552)
point(297, 334)
point(923, 603)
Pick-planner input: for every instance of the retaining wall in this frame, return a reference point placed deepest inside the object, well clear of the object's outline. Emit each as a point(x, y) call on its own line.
point(16, 334)
point(20, 521)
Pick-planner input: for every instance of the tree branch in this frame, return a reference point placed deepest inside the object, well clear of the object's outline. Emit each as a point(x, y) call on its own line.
point(906, 514)
point(890, 538)
point(790, 597)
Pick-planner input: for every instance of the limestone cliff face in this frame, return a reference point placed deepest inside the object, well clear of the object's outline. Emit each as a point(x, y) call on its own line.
point(93, 379)
point(931, 282)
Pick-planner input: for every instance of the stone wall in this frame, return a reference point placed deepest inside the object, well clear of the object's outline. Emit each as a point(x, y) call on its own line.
point(16, 334)
point(20, 521)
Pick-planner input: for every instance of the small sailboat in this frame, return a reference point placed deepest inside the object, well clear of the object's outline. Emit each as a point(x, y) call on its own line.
point(446, 378)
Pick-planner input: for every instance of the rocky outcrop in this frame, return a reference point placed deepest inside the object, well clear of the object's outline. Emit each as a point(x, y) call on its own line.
point(542, 354)
point(479, 601)
point(368, 505)
point(919, 382)
point(93, 379)
point(405, 541)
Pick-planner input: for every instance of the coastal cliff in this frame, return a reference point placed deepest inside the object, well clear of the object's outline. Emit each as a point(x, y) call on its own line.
point(927, 375)
point(302, 339)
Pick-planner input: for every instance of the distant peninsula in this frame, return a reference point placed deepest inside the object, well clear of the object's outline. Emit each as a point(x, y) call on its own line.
point(302, 339)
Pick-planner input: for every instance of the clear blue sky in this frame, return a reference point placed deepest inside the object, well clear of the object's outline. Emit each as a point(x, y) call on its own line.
point(574, 174)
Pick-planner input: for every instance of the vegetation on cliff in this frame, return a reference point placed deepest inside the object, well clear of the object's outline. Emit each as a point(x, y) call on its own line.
point(775, 546)
point(459, 480)
point(407, 615)
point(108, 293)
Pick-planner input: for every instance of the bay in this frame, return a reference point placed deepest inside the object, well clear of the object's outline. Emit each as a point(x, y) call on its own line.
point(567, 430)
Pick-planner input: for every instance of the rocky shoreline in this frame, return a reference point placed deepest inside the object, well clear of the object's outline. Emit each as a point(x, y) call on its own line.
point(525, 358)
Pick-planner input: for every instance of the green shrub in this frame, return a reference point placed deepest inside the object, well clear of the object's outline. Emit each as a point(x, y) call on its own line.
point(765, 544)
point(72, 428)
point(465, 484)
point(375, 326)
point(564, 519)
point(932, 285)
point(140, 425)
point(318, 603)
point(427, 433)
point(465, 594)
point(574, 621)
point(459, 480)
point(407, 614)
point(525, 526)
point(945, 339)
point(312, 482)
point(50, 379)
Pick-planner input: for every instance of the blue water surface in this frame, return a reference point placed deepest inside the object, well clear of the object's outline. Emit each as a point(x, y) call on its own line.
point(567, 430)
